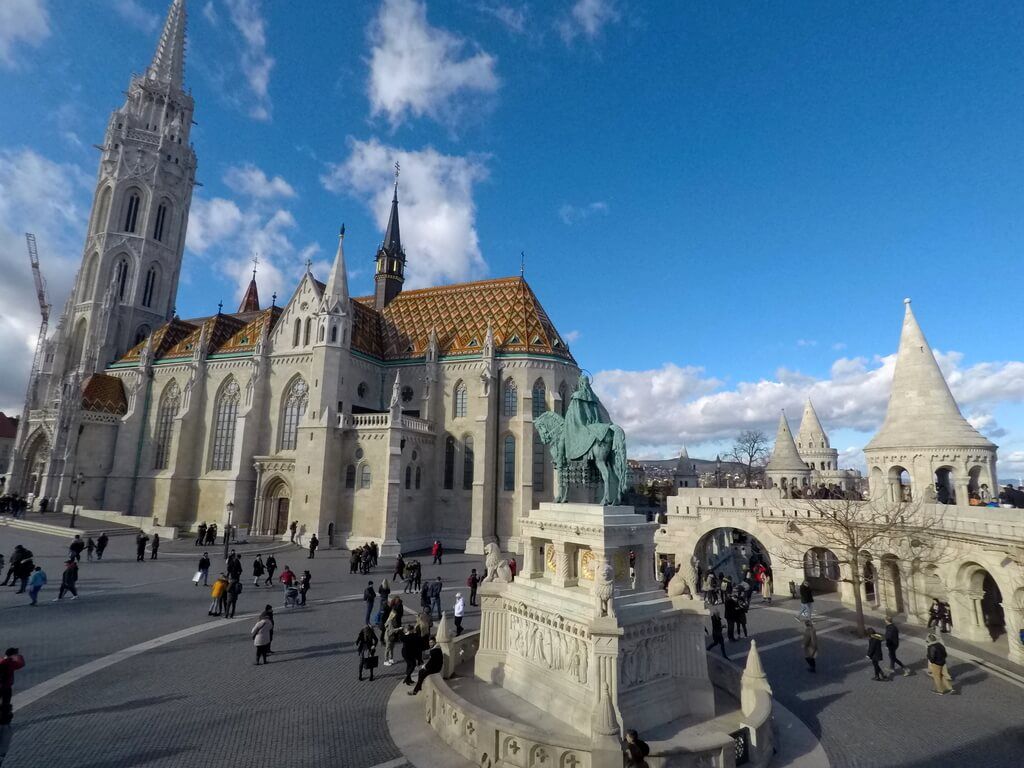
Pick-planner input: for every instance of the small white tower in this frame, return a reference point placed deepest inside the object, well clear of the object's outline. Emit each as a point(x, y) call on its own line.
point(785, 469)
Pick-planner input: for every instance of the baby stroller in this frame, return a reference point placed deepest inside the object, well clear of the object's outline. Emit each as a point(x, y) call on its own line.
point(291, 597)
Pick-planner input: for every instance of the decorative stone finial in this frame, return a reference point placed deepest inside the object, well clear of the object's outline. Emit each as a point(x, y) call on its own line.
point(444, 629)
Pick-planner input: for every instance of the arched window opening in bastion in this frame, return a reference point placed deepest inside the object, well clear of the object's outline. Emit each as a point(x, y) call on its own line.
point(945, 485)
point(821, 569)
point(981, 600)
point(731, 552)
point(899, 485)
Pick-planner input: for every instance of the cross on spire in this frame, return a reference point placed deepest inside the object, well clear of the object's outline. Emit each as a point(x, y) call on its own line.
point(255, 263)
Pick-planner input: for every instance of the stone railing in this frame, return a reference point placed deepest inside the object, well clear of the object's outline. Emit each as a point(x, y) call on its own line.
point(458, 651)
point(146, 137)
point(383, 421)
point(416, 424)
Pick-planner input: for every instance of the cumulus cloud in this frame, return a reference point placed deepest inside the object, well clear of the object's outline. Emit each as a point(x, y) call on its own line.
point(247, 18)
point(513, 17)
point(420, 70)
point(210, 13)
point(436, 201)
point(231, 232)
point(670, 406)
point(21, 22)
point(588, 18)
point(573, 214)
point(139, 17)
point(51, 200)
point(249, 180)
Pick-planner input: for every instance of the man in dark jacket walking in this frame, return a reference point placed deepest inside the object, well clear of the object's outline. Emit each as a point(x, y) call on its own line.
point(806, 601)
point(411, 651)
point(716, 634)
point(271, 567)
point(68, 580)
point(472, 582)
point(101, 545)
point(314, 542)
point(730, 616)
point(140, 547)
point(369, 596)
point(892, 642)
point(154, 548)
point(875, 654)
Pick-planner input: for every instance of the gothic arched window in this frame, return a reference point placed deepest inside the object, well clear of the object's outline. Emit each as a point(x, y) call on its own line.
point(408, 477)
point(460, 398)
point(563, 396)
point(224, 420)
point(131, 211)
point(121, 278)
point(365, 477)
point(449, 463)
point(417, 478)
point(160, 222)
point(305, 333)
point(165, 414)
point(467, 463)
point(102, 209)
point(149, 288)
point(85, 292)
point(295, 402)
point(511, 398)
point(538, 463)
point(540, 398)
point(509, 479)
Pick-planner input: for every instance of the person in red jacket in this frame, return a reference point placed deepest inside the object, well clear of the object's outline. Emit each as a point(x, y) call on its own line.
point(287, 576)
point(437, 551)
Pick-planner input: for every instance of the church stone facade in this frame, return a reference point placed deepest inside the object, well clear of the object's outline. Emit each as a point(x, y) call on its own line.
point(399, 417)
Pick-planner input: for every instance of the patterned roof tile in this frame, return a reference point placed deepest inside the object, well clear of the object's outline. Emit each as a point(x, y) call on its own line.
point(104, 394)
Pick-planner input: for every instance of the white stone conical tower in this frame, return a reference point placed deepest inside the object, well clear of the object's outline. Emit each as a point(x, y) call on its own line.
point(812, 442)
point(685, 473)
point(785, 469)
point(925, 434)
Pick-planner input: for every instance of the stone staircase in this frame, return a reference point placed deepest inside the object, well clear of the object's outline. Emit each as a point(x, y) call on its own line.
point(59, 524)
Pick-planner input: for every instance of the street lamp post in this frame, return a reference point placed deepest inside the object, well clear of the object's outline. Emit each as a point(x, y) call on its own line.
point(76, 485)
point(230, 508)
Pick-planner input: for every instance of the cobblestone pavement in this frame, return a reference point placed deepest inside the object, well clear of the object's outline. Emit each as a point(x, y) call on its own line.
point(199, 701)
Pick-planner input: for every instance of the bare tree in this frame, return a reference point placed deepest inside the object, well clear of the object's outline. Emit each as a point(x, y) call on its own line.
point(851, 529)
point(750, 450)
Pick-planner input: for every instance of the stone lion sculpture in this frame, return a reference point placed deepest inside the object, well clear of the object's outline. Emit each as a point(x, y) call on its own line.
point(681, 584)
point(497, 569)
point(604, 588)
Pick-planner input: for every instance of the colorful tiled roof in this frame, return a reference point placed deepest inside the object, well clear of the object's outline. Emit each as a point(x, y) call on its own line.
point(226, 333)
point(459, 314)
point(104, 394)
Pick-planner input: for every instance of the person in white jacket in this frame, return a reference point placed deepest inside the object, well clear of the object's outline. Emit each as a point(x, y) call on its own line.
point(459, 611)
point(261, 635)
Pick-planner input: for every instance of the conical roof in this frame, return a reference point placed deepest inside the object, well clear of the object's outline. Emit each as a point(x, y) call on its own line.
point(336, 292)
point(251, 300)
point(922, 411)
point(785, 457)
point(811, 432)
point(392, 236)
point(683, 463)
point(169, 60)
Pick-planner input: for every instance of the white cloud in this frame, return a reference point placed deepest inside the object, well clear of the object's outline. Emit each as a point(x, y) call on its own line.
point(806, 343)
point(513, 17)
point(572, 214)
point(420, 70)
point(571, 336)
point(438, 214)
point(588, 18)
point(21, 21)
point(210, 13)
point(51, 200)
point(669, 406)
point(839, 346)
point(136, 15)
point(249, 180)
point(247, 18)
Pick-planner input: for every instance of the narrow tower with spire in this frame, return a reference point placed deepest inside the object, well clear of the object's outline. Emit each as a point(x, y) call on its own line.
point(390, 270)
point(785, 468)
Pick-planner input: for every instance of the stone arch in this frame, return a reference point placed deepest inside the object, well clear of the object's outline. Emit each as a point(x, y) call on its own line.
point(37, 457)
point(275, 506)
point(77, 344)
point(945, 484)
point(974, 483)
point(869, 580)
point(979, 598)
point(730, 551)
point(900, 484)
point(133, 207)
point(87, 287)
point(821, 569)
point(460, 398)
point(892, 586)
point(99, 221)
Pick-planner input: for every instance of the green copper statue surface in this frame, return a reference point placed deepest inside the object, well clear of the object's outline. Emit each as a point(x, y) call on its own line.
point(585, 435)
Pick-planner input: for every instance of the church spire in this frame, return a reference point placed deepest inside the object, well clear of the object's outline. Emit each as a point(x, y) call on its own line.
point(811, 433)
point(785, 456)
point(390, 271)
point(393, 236)
point(336, 292)
point(921, 409)
point(169, 60)
point(251, 300)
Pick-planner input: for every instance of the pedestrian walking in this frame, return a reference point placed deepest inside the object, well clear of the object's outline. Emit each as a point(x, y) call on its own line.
point(257, 570)
point(810, 645)
point(742, 606)
point(262, 635)
point(271, 567)
point(384, 592)
point(354, 558)
point(425, 597)
point(417, 575)
point(636, 750)
point(390, 634)
point(68, 580)
point(892, 642)
point(730, 617)
point(314, 542)
point(369, 596)
point(435, 598)
point(472, 582)
point(35, 583)
point(717, 638)
point(291, 531)
point(399, 568)
point(374, 552)
point(200, 535)
point(437, 552)
point(90, 547)
point(204, 570)
point(11, 663)
point(458, 611)
point(154, 547)
point(75, 548)
point(101, 545)
point(936, 653)
point(211, 534)
point(291, 589)
point(231, 596)
point(411, 651)
point(435, 663)
point(934, 613)
point(140, 547)
point(806, 600)
point(366, 645)
point(219, 595)
point(305, 581)
point(268, 614)
point(875, 654)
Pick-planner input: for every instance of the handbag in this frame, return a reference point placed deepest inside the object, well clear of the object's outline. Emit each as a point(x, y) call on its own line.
point(370, 662)
point(197, 577)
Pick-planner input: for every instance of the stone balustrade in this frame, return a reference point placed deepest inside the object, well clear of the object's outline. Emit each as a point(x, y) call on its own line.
point(384, 421)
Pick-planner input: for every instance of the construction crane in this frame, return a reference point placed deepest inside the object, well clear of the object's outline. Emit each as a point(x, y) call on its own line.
point(44, 312)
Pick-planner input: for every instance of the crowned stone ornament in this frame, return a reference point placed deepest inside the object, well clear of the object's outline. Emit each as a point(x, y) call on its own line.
point(585, 437)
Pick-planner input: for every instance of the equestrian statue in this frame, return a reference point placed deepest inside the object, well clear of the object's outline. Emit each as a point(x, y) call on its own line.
point(585, 436)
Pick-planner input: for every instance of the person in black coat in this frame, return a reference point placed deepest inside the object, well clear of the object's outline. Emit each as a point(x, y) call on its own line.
point(101, 544)
point(875, 653)
point(892, 642)
point(411, 651)
point(314, 542)
point(271, 567)
point(636, 750)
point(435, 663)
point(716, 634)
point(730, 617)
point(140, 547)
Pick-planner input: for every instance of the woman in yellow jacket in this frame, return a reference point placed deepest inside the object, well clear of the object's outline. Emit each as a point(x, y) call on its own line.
point(219, 594)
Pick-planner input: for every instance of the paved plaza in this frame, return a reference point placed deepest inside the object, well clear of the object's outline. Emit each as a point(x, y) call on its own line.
point(134, 673)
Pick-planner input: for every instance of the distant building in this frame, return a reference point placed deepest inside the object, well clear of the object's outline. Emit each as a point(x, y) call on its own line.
point(8, 431)
point(808, 461)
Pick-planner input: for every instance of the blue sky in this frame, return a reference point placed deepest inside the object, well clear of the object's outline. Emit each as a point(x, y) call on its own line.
point(721, 204)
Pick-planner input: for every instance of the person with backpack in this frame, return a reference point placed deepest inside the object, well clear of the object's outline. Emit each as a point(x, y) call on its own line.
point(472, 582)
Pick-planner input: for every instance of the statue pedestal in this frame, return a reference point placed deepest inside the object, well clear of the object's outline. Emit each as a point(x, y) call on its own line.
point(553, 638)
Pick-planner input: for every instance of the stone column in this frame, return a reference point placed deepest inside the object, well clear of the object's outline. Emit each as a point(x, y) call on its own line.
point(563, 569)
point(392, 490)
point(486, 438)
point(255, 525)
point(1014, 617)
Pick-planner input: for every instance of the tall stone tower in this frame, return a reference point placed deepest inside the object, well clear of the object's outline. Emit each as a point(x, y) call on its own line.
point(131, 262)
point(390, 272)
